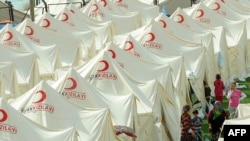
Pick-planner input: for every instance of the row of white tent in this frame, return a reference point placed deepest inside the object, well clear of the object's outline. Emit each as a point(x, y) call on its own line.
point(114, 73)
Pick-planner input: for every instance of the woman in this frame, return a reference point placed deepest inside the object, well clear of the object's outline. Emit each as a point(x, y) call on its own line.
point(235, 96)
point(187, 126)
point(218, 88)
point(216, 117)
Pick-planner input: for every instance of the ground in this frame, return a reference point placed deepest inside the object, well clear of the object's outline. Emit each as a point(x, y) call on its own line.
point(206, 133)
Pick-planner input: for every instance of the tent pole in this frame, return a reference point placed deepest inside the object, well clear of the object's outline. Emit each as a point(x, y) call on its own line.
point(32, 15)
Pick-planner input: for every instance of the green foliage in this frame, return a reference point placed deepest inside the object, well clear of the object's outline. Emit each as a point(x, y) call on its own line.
point(206, 133)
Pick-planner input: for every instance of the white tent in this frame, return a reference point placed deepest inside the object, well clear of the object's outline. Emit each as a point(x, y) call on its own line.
point(87, 37)
point(25, 130)
point(77, 90)
point(119, 84)
point(228, 12)
point(240, 6)
point(220, 43)
point(69, 47)
point(243, 110)
point(26, 66)
point(164, 44)
point(43, 105)
point(236, 36)
point(97, 11)
point(236, 121)
point(178, 72)
point(105, 30)
point(204, 38)
point(9, 84)
point(47, 56)
point(148, 12)
point(55, 6)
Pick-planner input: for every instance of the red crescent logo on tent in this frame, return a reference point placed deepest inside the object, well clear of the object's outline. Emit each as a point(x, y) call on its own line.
point(152, 37)
point(217, 6)
point(31, 31)
point(104, 3)
point(131, 45)
point(72, 10)
point(74, 84)
point(105, 67)
point(181, 18)
point(113, 53)
point(4, 115)
point(43, 96)
point(66, 17)
point(95, 7)
point(119, 1)
point(9, 36)
point(164, 24)
point(200, 13)
point(47, 23)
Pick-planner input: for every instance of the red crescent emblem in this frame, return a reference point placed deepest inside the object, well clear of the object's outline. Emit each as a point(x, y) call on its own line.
point(130, 44)
point(31, 31)
point(66, 17)
point(200, 13)
point(181, 18)
point(104, 3)
point(8, 36)
point(4, 115)
point(164, 24)
point(43, 96)
point(47, 23)
point(106, 66)
point(95, 7)
point(152, 37)
point(119, 1)
point(217, 6)
point(113, 53)
point(72, 11)
point(74, 84)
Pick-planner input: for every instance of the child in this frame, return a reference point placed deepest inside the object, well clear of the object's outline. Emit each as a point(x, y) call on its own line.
point(197, 124)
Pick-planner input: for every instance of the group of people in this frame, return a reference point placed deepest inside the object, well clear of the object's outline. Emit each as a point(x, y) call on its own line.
point(191, 128)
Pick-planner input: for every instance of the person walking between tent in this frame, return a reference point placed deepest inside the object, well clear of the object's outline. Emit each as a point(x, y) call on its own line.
point(218, 88)
point(216, 117)
point(197, 121)
point(187, 126)
point(235, 96)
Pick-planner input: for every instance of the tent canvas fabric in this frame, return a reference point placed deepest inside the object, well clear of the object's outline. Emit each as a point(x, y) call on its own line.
point(178, 72)
point(47, 56)
point(27, 73)
point(115, 86)
point(158, 41)
point(205, 38)
point(230, 13)
point(69, 47)
point(148, 12)
point(9, 83)
point(243, 110)
point(79, 91)
point(98, 12)
point(105, 30)
point(43, 105)
point(26, 130)
point(220, 42)
point(235, 34)
point(87, 37)
point(55, 6)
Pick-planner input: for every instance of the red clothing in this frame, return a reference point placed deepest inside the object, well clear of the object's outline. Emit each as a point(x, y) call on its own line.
point(186, 123)
point(218, 88)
